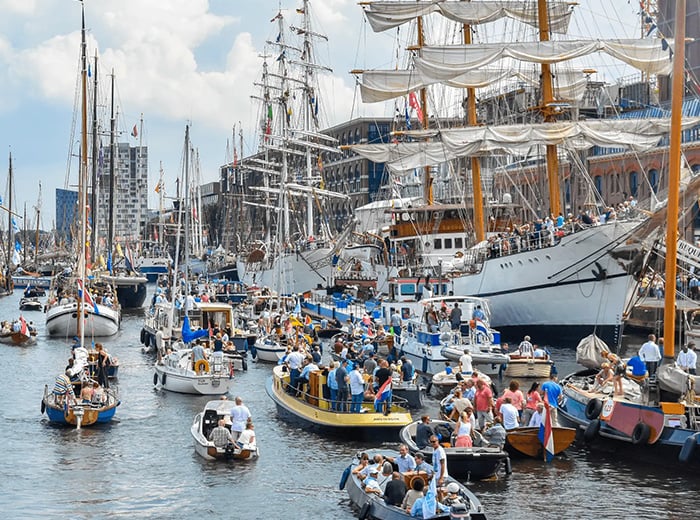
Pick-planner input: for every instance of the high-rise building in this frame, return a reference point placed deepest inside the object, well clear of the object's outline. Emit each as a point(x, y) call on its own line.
point(66, 205)
point(130, 196)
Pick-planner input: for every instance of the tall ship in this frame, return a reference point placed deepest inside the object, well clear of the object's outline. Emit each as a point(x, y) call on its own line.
point(559, 274)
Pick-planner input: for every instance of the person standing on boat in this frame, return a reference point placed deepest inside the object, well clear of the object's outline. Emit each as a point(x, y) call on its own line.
point(396, 323)
point(103, 364)
point(333, 384)
point(552, 391)
point(511, 418)
point(294, 362)
point(483, 403)
point(533, 397)
point(525, 348)
point(650, 354)
point(456, 317)
point(687, 359)
point(240, 415)
point(342, 378)
point(357, 389)
point(407, 370)
point(439, 460)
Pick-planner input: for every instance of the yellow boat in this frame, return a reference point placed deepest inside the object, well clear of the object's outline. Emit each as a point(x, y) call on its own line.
point(314, 410)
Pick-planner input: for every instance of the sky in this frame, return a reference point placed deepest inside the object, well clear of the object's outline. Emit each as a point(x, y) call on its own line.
point(179, 62)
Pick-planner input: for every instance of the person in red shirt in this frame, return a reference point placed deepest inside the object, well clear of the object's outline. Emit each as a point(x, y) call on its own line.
point(483, 403)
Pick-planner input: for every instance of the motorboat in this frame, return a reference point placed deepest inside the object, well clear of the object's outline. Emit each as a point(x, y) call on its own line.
point(31, 303)
point(202, 425)
point(177, 373)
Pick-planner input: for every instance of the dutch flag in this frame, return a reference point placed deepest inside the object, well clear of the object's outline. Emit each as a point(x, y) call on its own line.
point(88, 299)
point(383, 394)
point(546, 436)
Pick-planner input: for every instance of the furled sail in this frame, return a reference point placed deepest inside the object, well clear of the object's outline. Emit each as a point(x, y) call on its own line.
point(383, 16)
point(633, 134)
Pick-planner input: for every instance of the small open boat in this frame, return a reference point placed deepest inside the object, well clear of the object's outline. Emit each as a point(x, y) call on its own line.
point(202, 425)
point(79, 411)
point(522, 367)
point(526, 441)
point(31, 303)
point(475, 463)
point(372, 506)
point(18, 333)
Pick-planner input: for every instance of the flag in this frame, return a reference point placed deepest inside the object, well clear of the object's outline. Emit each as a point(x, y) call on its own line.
point(109, 262)
point(481, 328)
point(415, 105)
point(159, 186)
point(18, 246)
point(279, 15)
point(383, 394)
point(24, 329)
point(129, 259)
point(430, 500)
point(15, 257)
point(545, 435)
point(408, 119)
point(15, 227)
point(0, 200)
point(189, 335)
point(87, 298)
point(134, 132)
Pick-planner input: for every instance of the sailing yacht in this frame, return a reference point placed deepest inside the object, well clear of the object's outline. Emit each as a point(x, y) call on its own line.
point(579, 282)
point(291, 258)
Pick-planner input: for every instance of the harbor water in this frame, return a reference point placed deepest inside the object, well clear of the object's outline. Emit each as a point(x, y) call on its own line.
point(143, 464)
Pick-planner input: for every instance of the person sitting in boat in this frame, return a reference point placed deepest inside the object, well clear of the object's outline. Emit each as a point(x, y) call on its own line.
point(605, 375)
point(639, 368)
point(246, 440)
point(525, 349)
point(107, 300)
point(424, 431)
point(495, 434)
point(361, 465)
point(417, 508)
point(63, 389)
point(220, 435)
point(537, 416)
point(539, 352)
point(86, 393)
point(413, 494)
point(395, 490)
point(457, 404)
point(98, 394)
point(452, 498)
point(531, 399)
point(371, 484)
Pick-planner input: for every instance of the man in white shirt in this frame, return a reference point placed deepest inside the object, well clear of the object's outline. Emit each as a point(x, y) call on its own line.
point(650, 354)
point(509, 412)
point(537, 416)
point(465, 363)
point(687, 359)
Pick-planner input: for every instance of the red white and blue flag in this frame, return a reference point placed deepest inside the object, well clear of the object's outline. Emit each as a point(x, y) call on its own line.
point(384, 392)
point(546, 436)
point(88, 299)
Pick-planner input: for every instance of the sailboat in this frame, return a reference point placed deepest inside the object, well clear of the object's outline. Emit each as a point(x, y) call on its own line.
point(155, 260)
point(577, 283)
point(78, 304)
point(76, 398)
point(291, 258)
point(654, 419)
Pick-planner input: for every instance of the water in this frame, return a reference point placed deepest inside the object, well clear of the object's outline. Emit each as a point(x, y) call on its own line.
point(143, 464)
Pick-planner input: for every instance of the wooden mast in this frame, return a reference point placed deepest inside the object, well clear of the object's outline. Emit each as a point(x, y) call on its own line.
point(549, 114)
point(427, 178)
point(674, 172)
point(477, 201)
point(82, 178)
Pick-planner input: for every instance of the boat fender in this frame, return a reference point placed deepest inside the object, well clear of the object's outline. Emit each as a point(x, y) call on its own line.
point(686, 452)
point(593, 409)
point(364, 511)
point(143, 336)
point(591, 430)
point(245, 363)
point(201, 365)
point(508, 466)
point(344, 478)
point(155, 379)
point(43, 409)
point(640, 434)
point(162, 381)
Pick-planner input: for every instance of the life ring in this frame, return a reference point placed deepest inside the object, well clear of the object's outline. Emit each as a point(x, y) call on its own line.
point(201, 365)
point(592, 430)
point(344, 478)
point(640, 434)
point(593, 409)
point(43, 407)
point(413, 479)
point(155, 379)
point(688, 447)
point(472, 324)
point(364, 511)
point(143, 337)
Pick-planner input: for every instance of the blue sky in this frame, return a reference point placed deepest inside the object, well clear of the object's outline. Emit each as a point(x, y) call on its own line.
point(179, 61)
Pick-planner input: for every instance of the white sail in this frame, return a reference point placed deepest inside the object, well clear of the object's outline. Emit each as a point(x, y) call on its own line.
point(388, 15)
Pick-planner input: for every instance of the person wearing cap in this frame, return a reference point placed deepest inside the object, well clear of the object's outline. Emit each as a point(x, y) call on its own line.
point(452, 497)
point(371, 484)
point(421, 465)
point(687, 359)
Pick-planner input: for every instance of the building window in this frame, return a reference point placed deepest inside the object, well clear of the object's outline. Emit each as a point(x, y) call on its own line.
point(634, 184)
point(654, 180)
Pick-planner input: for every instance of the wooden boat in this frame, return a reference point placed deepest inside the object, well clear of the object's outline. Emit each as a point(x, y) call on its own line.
point(526, 441)
point(523, 367)
point(176, 373)
point(78, 412)
point(313, 409)
point(202, 425)
point(444, 382)
point(475, 463)
point(18, 338)
point(370, 505)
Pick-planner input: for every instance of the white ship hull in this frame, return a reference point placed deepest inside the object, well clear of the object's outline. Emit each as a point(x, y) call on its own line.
point(61, 320)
